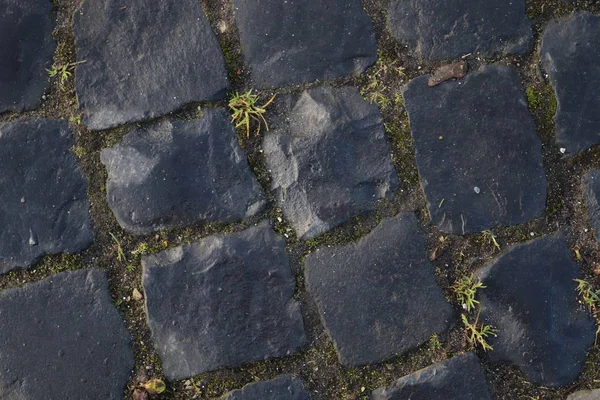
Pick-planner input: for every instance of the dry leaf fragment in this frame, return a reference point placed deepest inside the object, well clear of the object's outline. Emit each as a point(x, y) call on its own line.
point(456, 70)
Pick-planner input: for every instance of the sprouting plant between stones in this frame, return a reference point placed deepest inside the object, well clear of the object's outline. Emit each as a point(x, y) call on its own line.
point(465, 290)
point(490, 238)
point(63, 72)
point(590, 297)
point(245, 109)
point(478, 333)
point(120, 253)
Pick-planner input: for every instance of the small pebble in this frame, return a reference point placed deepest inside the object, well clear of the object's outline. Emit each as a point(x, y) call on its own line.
point(477, 190)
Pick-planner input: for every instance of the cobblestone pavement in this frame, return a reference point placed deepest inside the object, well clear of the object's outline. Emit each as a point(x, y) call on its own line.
point(412, 213)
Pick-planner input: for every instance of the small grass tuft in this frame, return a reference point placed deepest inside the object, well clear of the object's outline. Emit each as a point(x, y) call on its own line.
point(245, 109)
point(590, 297)
point(490, 238)
point(465, 290)
point(63, 72)
point(434, 343)
point(120, 253)
point(478, 333)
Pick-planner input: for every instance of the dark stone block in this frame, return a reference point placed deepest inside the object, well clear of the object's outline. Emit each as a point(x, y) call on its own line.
point(144, 59)
point(459, 378)
point(590, 183)
point(531, 300)
point(26, 49)
point(441, 29)
point(479, 159)
point(44, 207)
point(222, 302)
point(329, 158)
point(376, 296)
point(62, 338)
point(176, 174)
point(300, 41)
point(282, 388)
point(570, 53)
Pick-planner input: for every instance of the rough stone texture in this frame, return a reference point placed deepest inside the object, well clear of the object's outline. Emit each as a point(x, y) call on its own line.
point(440, 29)
point(63, 339)
point(329, 158)
point(296, 41)
point(531, 299)
point(479, 158)
point(144, 59)
point(570, 53)
point(459, 378)
point(590, 183)
point(585, 395)
point(26, 48)
point(43, 200)
point(175, 174)
point(375, 297)
point(282, 388)
point(222, 302)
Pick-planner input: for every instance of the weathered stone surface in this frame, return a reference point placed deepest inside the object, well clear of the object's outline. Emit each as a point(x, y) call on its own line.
point(176, 174)
point(531, 300)
point(62, 338)
point(590, 184)
point(26, 48)
point(440, 29)
point(478, 156)
point(570, 53)
point(585, 395)
point(281, 388)
point(222, 302)
point(375, 297)
point(43, 200)
point(144, 59)
point(328, 158)
point(296, 41)
point(459, 378)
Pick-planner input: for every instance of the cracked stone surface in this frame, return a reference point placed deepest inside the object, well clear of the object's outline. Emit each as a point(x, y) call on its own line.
point(328, 158)
point(459, 378)
point(590, 183)
point(570, 53)
point(531, 300)
point(442, 29)
point(66, 340)
point(144, 59)
point(26, 49)
point(374, 296)
point(284, 387)
point(44, 207)
point(175, 174)
point(300, 41)
point(479, 158)
point(222, 302)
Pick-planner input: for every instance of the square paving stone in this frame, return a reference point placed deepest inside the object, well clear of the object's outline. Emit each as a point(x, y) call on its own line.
point(26, 49)
point(459, 378)
point(329, 158)
point(44, 207)
point(222, 302)
point(144, 59)
point(299, 41)
point(441, 29)
point(62, 338)
point(281, 388)
point(377, 297)
point(175, 174)
point(479, 159)
point(531, 299)
point(570, 53)
point(590, 183)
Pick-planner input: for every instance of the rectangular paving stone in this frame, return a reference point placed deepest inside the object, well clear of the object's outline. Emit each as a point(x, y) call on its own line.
point(378, 297)
point(570, 53)
point(300, 41)
point(62, 338)
point(179, 173)
point(284, 387)
point(328, 157)
point(222, 302)
point(590, 184)
point(144, 59)
point(479, 158)
point(26, 49)
point(44, 208)
point(442, 29)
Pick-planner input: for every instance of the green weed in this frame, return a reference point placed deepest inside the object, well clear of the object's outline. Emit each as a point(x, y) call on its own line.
point(465, 290)
point(245, 109)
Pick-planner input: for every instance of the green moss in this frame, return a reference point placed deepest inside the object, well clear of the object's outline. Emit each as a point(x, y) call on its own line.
point(533, 98)
point(402, 154)
point(78, 151)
